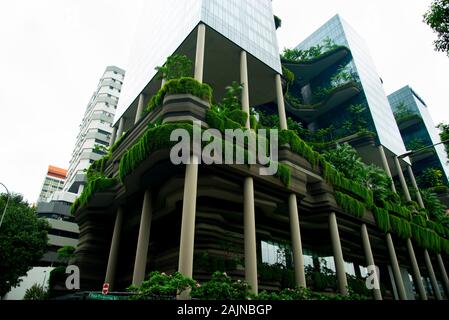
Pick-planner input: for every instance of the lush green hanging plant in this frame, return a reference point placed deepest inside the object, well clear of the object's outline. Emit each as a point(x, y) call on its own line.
point(401, 227)
point(350, 205)
point(382, 219)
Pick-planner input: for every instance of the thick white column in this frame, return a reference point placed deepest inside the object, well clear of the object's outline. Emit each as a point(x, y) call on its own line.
point(295, 232)
point(186, 245)
point(113, 136)
point(443, 273)
point(121, 126)
point(338, 254)
point(369, 258)
point(244, 82)
point(396, 270)
point(402, 179)
point(415, 186)
point(199, 58)
point(249, 222)
point(80, 189)
point(433, 278)
point(416, 272)
point(114, 250)
point(143, 240)
point(281, 103)
point(140, 107)
point(386, 167)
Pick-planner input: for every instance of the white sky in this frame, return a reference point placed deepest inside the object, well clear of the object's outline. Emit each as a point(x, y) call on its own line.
point(53, 52)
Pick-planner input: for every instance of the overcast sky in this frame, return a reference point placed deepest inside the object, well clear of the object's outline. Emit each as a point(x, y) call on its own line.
point(53, 52)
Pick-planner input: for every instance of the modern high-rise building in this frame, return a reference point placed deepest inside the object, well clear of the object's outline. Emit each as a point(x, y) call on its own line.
point(54, 181)
point(418, 131)
point(143, 212)
point(96, 128)
point(359, 64)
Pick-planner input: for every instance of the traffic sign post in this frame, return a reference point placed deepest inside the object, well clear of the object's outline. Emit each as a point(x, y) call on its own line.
point(105, 288)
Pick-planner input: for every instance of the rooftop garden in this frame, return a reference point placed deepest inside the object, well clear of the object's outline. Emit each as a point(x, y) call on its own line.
point(403, 114)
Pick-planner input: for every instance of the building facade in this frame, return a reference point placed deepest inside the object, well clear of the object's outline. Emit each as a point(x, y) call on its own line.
point(145, 213)
point(419, 131)
point(96, 128)
point(54, 181)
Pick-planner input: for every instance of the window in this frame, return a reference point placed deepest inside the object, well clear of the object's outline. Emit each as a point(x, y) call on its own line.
point(275, 253)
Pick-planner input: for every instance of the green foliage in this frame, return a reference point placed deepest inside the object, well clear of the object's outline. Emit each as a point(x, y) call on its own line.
point(221, 287)
point(444, 135)
point(382, 219)
point(426, 238)
point(35, 292)
point(161, 286)
point(398, 210)
point(176, 66)
point(437, 17)
point(401, 227)
point(350, 205)
point(117, 144)
point(296, 55)
point(435, 209)
point(419, 220)
point(298, 146)
point(180, 86)
point(97, 185)
point(153, 139)
point(284, 173)
point(430, 177)
point(66, 253)
point(96, 169)
point(57, 276)
point(277, 22)
point(23, 241)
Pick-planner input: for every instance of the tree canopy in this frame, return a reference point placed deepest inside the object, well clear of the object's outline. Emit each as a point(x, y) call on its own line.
point(437, 17)
point(23, 239)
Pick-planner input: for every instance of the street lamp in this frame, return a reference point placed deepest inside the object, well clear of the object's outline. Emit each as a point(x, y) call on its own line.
point(6, 206)
point(409, 153)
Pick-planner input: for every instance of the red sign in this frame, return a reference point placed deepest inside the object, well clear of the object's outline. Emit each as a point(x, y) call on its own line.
point(105, 288)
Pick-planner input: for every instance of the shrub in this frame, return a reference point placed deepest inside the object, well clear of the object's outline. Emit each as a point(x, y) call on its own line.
point(35, 292)
point(181, 86)
point(350, 205)
point(97, 185)
point(221, 287)
point(161, 286)
point(382, 219)
point(176, 66)
point(401, 227)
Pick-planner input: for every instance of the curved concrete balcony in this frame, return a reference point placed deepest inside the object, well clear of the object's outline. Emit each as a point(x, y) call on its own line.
point(337, 97)
point(308, 69)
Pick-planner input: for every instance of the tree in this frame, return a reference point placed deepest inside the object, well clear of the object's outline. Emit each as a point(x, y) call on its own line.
point(444, 135)
point(430, 177)
point(36, 292)
point(437, 17)
point(66, 253)
point(176, 66)
point(23, 239)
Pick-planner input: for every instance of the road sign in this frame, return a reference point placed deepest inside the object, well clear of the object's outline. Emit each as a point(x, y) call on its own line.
point(105, 288)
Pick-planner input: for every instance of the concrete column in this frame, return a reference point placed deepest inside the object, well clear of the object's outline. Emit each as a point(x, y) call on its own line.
point(245, 84)
point(402, 179)
point(386, 167)
point(369, 258)
point(415, 186)
point(186, 245)
point(298, 258)
point(140, 262)
point(396, 270)
point(433, 278)
point(163, 82)
point(80, 189)
point(121, 126)
point(113, 136)
point(338, 254)
point(140, 107)
point(443, 273)
point(114, 250)
point(249, 223)
point(199, 59)
point(306, 93)
point(416, 272)
point(281, 104)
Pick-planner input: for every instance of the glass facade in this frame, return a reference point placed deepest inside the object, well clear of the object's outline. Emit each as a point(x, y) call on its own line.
point(363, 66)
point(165, 24)
point(424, 131)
